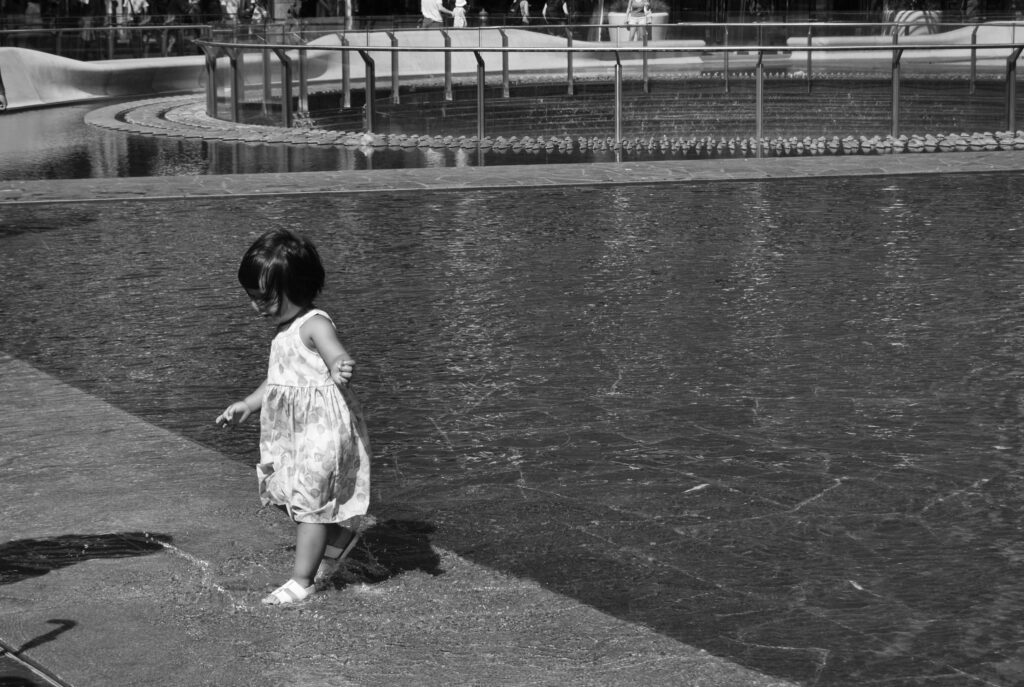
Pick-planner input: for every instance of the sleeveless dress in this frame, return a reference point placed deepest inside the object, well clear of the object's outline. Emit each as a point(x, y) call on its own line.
point(314, 451)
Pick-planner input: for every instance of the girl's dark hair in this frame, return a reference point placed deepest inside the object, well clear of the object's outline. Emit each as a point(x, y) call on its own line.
point(281, 263)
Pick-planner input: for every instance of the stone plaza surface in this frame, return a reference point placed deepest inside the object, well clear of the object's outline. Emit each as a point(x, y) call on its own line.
point(160, 585)
point(96, 602)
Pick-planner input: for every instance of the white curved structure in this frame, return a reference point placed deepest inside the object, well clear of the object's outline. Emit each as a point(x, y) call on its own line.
point(33, 78)
point(992, 33)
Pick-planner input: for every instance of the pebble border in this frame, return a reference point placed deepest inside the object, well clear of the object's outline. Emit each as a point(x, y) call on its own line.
point(185, 117)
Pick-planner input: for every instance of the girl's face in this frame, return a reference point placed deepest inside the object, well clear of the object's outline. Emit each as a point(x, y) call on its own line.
point(277, 313)
point(262, 306)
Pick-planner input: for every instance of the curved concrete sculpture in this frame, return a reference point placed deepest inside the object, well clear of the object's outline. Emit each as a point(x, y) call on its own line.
point(991, 33)
point(34, 79)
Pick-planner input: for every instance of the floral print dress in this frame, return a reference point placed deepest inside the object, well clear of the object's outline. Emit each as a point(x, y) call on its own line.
point(314, 451)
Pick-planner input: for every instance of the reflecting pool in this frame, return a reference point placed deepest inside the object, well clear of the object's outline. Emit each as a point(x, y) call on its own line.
point(777, 420)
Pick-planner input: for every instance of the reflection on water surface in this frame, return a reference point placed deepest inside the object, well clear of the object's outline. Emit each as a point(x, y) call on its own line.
point(776, 420)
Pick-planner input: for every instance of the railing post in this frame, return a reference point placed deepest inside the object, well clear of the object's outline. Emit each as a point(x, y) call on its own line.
point(506, 92)
point(759, 107)
point(236, 84)
point(897, 53)
point(570, 78)
point(303, 84)
point(447, 67)
point(1011, 89)
point(346, 76)
point(371, 90)
point(618, 98)
point(480, 77)
point(974, 57)
point(725, 57)
point(211, 81)
point(267, 91)
point(286, 86)
point(646, 78)
point(810, 52)
point(110, 42)
point(394, 68)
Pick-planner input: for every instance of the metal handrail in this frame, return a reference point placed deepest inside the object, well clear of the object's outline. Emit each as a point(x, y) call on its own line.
point(895, 50)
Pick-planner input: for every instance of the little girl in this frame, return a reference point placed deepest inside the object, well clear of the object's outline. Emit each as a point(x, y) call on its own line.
point(314, 451)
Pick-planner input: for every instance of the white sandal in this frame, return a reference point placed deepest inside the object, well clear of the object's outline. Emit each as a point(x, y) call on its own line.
point(288, 593)
point(333, 556)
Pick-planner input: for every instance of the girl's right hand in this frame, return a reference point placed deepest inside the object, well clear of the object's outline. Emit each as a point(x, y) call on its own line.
point(341, 371)
point(235, 414)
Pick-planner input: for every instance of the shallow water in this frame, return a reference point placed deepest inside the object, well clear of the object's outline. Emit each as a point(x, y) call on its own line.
point(770, 419)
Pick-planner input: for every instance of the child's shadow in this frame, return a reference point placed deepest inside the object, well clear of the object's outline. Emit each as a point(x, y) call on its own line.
point(387, 549)
point(25, 558)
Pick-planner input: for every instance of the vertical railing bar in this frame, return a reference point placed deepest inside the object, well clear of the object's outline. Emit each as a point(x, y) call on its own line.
point(370, 86)
point(759, 107)
point(286, 86)
point(211, 82)
point(618, 98)
point(395, 99)
point(237, 86)
point(725, 57)
point(1011, 89)
point(448, 95)
point(266, 79)
point(506, 91)
point(646, 76)
point(480, 85)
point(303, 82)
point(810, 52)
point(897, 53)
point(974, 57)
point(570, 77)
point(346, 75)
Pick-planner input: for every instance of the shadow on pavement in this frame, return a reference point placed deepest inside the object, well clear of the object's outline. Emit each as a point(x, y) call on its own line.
point(387, 549)
point(25, 558)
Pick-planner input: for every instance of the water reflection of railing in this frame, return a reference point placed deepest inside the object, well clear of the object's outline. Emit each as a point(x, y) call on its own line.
point(294, 63)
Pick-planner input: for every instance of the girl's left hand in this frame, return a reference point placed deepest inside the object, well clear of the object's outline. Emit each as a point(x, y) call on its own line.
point(341, 371)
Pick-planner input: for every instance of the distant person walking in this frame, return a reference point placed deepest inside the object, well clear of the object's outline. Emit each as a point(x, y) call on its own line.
point(555, 13)
point(432, 11)
point(459, 15)
point(3, 94)
point(314, 452)
point(522, 8)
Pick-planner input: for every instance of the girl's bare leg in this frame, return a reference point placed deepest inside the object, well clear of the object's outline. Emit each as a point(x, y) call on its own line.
point(310, 542)
point(338, 536)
